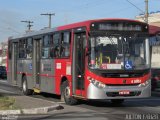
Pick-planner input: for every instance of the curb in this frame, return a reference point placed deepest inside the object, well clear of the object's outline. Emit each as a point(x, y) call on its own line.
point(42, 110)
point(13, 112)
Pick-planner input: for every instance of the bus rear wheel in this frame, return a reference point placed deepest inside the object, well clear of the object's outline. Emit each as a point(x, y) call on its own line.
point(25, 89)
point(65, 94)
point(117, 101)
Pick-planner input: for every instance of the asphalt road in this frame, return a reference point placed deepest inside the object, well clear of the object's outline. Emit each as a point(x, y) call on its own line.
point(133, 109)
point(8, 89)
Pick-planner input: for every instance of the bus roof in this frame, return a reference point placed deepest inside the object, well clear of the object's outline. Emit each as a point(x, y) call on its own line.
point(153, 30)
point(33, 33)
point(87, 23)
point(69, 26)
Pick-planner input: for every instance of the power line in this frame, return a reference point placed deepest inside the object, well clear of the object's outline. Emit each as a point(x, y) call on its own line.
point(50, 17)
point(135, 6)
point(146, 10)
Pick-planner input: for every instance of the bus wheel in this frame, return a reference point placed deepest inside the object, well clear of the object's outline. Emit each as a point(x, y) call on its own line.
point(65, 94)
point(117, 101)
point(25, 89)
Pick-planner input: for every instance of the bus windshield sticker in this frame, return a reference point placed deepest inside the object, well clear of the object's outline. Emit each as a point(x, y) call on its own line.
point(128, 65)
point(107, 40)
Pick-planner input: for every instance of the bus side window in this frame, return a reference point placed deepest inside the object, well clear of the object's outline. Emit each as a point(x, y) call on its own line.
point(51, 51)
point(65, 44)
point(45, 46)
point(29, 49)
point(22, 48)
point(56, 45)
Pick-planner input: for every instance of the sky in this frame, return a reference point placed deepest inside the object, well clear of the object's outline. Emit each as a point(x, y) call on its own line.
point(12, 12)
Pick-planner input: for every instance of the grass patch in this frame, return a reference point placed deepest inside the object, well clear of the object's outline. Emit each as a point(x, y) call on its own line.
point(7, 103)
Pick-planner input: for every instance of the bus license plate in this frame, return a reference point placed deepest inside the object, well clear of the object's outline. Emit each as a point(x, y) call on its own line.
point(125, 92)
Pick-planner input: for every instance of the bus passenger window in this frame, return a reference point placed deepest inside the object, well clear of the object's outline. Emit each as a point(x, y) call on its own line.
point(56, 45)
point(29, 49)
point(45, 47)
point(57, 51)
point(45, 53)
point(65, 44)
point(46, 41)
point(29, 53)
point(22, 48)
point(22, 54)
point(51, 48)
point(51, 52)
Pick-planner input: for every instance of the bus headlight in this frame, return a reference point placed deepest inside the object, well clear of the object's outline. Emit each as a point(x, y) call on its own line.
point(96, 83)
point(144, 84)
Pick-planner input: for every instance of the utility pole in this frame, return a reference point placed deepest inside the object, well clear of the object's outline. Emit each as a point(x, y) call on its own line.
point(50, 17)
point(29, 24)
point(146, 11)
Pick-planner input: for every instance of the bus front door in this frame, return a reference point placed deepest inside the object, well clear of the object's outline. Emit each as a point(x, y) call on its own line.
point(78, 63)
point(36, 63)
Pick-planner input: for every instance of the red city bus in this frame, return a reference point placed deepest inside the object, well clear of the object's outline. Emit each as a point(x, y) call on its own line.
point(94, 59)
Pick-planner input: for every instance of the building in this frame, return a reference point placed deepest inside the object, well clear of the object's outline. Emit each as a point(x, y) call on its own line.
point(154, 22)
point(153, 19)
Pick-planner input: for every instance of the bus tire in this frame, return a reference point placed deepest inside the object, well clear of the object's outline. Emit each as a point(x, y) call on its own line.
point(117, 101)
point(25, 89)
point(65, 94)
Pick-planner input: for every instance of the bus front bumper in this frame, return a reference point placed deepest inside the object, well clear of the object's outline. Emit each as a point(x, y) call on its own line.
point(114, 92)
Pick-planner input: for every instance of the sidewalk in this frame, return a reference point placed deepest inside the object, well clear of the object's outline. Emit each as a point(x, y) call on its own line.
point(27, 104)
point(30, 105)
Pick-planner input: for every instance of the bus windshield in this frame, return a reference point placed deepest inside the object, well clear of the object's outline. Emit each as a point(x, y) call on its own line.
point(118, 52)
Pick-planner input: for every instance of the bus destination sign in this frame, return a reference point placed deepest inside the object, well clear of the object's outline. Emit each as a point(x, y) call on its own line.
point(119, 26)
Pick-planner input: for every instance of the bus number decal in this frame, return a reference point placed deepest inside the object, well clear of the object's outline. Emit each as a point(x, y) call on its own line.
point(58, 66)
